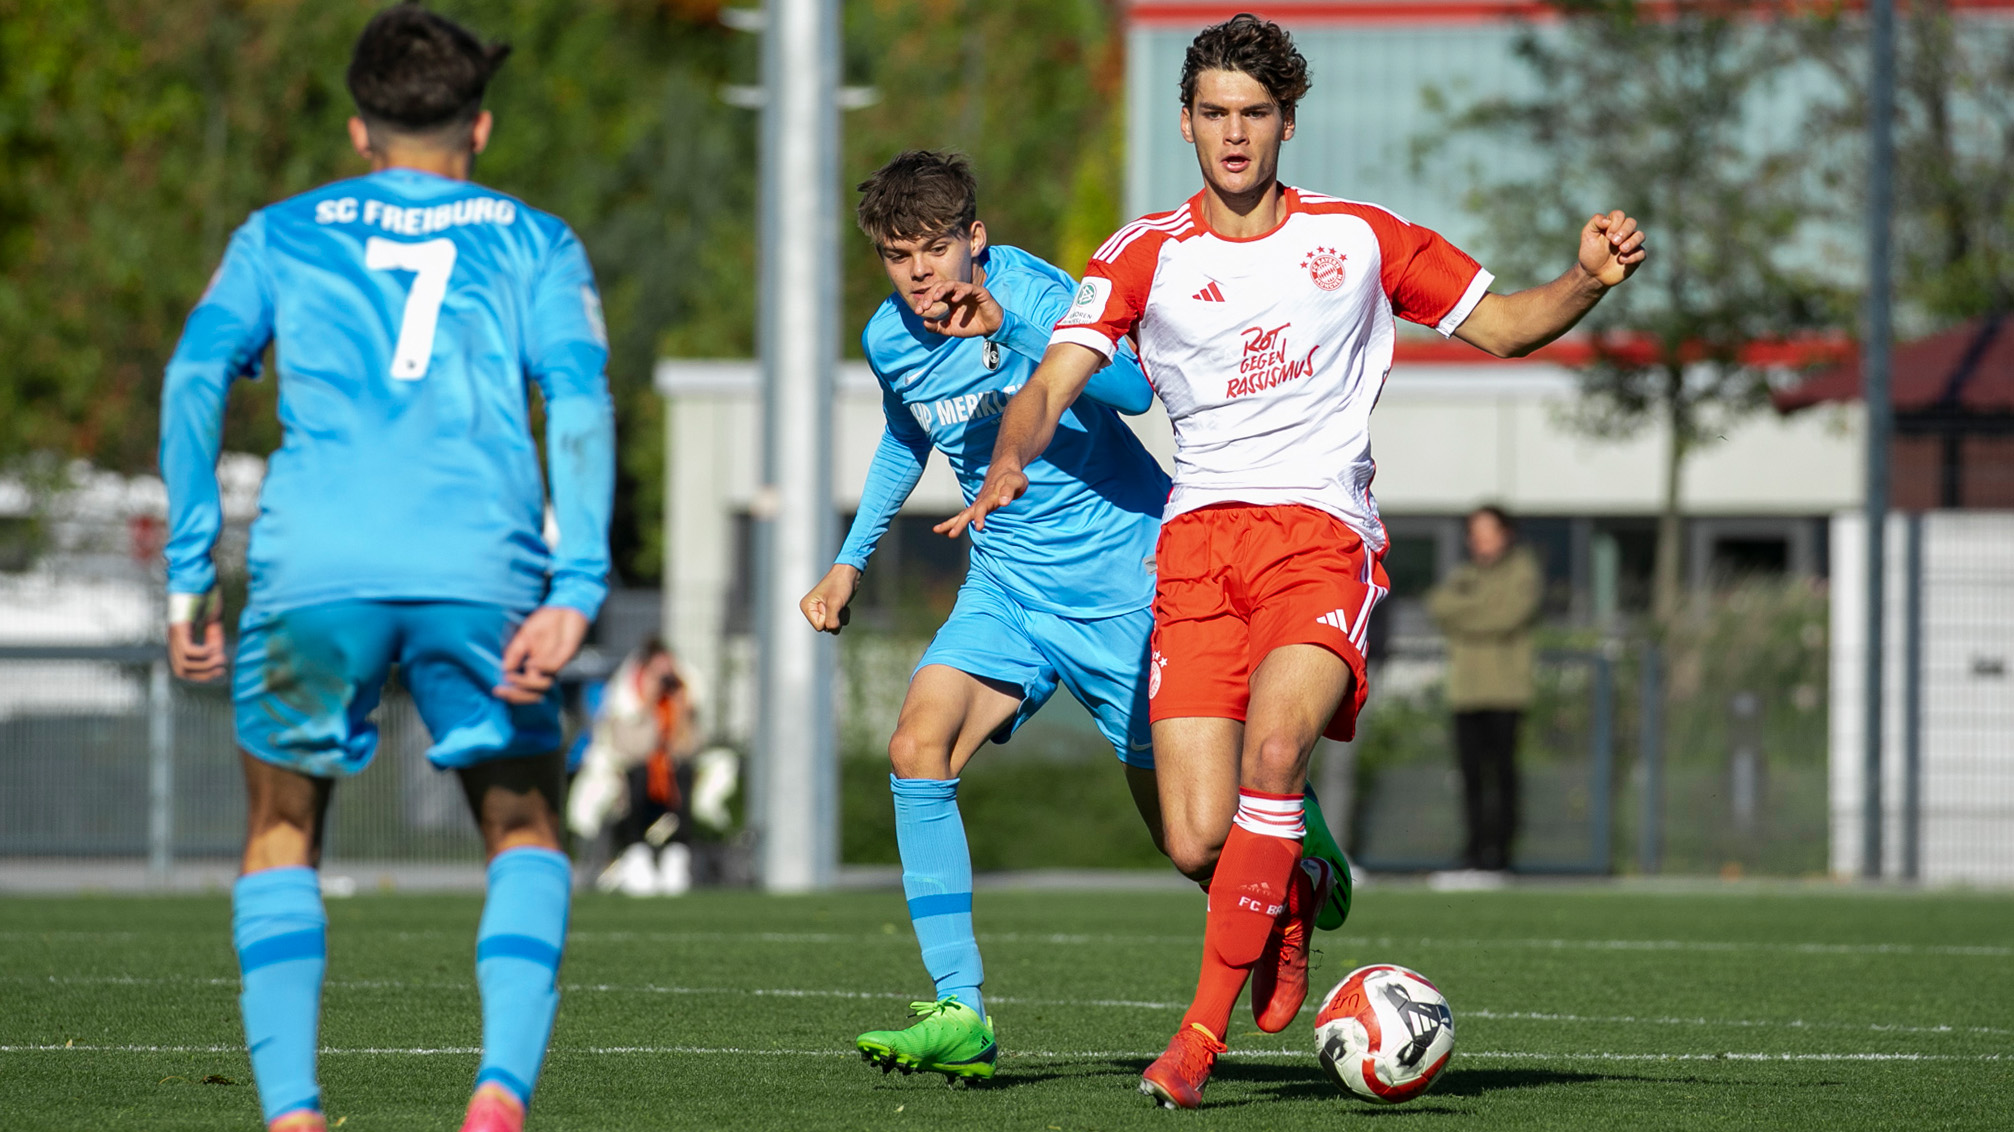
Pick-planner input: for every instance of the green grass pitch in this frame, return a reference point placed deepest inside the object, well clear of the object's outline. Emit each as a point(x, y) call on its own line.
point(1575, 1008)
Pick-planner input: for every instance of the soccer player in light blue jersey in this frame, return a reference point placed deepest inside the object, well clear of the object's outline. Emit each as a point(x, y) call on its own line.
point(1060, 596)
point(400, 523)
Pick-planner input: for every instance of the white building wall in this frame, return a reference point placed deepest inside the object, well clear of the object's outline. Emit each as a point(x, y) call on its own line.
point(1447, 437)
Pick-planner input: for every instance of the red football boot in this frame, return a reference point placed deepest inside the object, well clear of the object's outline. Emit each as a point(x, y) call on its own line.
point(1177, 1077)
point(299, 1120)
point(494, 1109)
point(1280, 977)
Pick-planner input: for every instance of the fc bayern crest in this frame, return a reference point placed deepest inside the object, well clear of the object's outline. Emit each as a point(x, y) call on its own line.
point(1325, 267)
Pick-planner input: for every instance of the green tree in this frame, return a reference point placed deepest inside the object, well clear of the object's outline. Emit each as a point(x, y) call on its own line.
point(134, 135)
point(1954, 154)
point(1654, 110)
point(1030, 91)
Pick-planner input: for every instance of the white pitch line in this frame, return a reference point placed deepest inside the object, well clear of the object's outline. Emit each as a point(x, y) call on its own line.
point(1032, 1055)
point(1068, 939)
point(1985, 951)
point(1510, 1055)
point(1010, 1000)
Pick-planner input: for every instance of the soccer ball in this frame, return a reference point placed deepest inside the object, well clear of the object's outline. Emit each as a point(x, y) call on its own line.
point(1384, 1033)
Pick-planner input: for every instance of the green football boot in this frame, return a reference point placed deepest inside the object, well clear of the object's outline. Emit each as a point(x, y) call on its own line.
point(1317, 842)
point(948, 1037)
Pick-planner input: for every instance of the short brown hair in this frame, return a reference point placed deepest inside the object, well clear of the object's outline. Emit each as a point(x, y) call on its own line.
point(919, 194)
point(1250, 46)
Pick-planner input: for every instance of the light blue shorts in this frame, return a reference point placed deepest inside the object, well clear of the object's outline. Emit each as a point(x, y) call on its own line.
point(307, 680)
point(1102, 660)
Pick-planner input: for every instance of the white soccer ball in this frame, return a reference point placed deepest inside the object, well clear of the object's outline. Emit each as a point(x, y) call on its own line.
point(1384, 1033)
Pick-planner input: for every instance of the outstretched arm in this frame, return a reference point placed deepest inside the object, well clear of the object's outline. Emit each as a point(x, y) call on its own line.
point(1025, 429)
point(1511, 326)
point(897, 467)
point(224, 337)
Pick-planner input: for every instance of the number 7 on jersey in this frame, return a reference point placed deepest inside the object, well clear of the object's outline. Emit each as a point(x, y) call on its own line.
point(432, 261)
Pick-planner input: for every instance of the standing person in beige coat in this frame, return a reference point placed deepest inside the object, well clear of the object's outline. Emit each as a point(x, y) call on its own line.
point(1487, 608)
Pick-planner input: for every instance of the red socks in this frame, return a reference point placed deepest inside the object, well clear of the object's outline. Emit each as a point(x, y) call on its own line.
point(1250, 890)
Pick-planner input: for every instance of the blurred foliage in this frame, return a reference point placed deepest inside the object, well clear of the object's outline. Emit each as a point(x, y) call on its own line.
point(136, 134)
point(1768, 638)
point(1766, 643)
point(1954, 151)
point(1030, 91)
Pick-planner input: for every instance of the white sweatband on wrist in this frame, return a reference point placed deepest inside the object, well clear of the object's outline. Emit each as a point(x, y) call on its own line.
point(188, 609)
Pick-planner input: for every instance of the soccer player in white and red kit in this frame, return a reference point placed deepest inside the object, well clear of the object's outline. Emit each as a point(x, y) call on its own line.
point(1264, 316)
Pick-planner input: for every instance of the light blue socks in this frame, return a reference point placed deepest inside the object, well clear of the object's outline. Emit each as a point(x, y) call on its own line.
point(937, 879)
point(280, 931)
point(517, 963)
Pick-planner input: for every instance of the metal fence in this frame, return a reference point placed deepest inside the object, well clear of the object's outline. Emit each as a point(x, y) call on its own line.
point(1405, 806)
point(1702, 751)
point(106, 759)
point(1704, 755)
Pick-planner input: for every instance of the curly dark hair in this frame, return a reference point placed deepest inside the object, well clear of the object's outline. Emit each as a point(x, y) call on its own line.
point(417, 72)
point(919, 194)
point(1250, 46)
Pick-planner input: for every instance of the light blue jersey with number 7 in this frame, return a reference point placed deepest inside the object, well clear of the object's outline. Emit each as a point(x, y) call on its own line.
point(411, 315)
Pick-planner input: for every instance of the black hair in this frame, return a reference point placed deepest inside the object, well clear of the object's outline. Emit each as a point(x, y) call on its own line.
point(417, 72)
point(1250, 46)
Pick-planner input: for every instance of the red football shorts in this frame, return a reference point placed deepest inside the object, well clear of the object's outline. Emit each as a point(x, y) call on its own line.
point(1237, 582)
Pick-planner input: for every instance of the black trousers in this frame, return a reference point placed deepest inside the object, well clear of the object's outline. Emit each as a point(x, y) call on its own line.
point(1486, 743)
point(644, 812)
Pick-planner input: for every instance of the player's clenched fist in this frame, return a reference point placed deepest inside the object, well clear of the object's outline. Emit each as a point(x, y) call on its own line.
point(825, 606)
point(196, 637)
point(1611, 247)
point(1002, 486)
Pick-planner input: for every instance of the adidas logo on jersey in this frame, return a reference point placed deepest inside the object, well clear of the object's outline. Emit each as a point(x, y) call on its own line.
point(1210, 294)
point(1337, 619)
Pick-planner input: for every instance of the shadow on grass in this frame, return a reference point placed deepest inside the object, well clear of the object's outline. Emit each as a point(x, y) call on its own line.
point(1293, 1083)
point(1297, 1084)
point(1007, 1079)
point(1476, 1082)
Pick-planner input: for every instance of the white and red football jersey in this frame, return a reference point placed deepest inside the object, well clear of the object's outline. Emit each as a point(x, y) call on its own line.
point(1269, 352)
